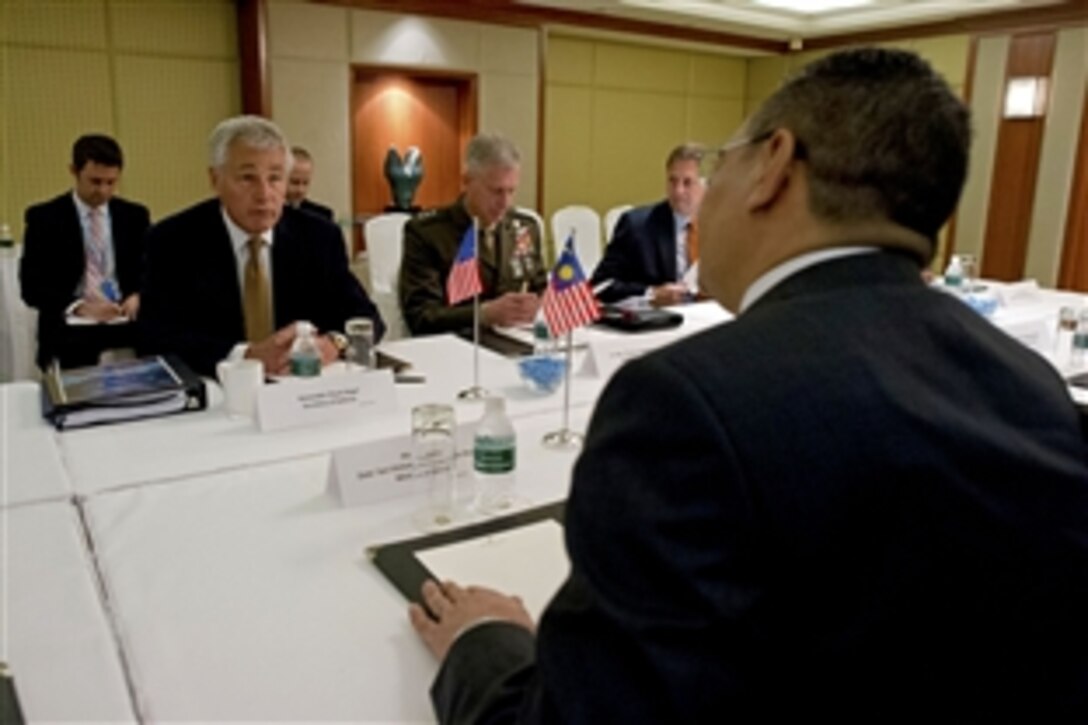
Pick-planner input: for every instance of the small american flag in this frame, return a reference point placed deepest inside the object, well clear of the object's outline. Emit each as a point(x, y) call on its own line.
point(568, 300)
point(464, 279)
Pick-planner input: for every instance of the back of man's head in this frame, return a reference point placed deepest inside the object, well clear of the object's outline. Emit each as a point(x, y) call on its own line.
point(488, 149)
point(882, 135)
point(98, 148)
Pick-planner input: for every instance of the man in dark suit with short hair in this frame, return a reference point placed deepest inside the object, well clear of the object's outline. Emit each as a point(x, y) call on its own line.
point(230, 276)
point(858, 502)
point(82, 260)
point(298, 185)
point(654, 246)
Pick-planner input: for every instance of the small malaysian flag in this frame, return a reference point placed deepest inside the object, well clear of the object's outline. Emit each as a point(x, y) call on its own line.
point(568, 301)
point(464, 279)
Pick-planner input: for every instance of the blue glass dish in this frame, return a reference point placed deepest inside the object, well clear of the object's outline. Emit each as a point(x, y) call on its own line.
point(542, 373)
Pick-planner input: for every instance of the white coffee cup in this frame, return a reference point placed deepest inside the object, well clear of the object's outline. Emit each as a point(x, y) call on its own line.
point(241, 380)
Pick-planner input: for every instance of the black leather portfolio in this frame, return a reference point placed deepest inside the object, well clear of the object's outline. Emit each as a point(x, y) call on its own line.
point(639, 320)
point(400, 565)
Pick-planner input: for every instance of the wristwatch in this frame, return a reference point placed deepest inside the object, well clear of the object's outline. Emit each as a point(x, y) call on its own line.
point(340, 341)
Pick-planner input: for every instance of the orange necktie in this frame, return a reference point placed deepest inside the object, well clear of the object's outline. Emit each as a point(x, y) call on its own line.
point(693, 243)
point(258, 294)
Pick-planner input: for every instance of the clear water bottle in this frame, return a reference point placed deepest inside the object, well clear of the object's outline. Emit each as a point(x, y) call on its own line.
point(494, 456)
point(543, 342)
point(953, 274)
point(305, 355)
point(1080, 339)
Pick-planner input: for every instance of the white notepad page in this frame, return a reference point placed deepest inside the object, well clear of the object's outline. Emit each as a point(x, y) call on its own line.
point(529, 561)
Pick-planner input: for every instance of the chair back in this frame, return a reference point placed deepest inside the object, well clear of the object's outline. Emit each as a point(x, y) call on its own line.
point(585, 223)
point(611, 218)
point(384, 244)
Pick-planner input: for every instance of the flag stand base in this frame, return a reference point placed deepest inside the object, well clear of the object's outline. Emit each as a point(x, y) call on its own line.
point(473, 393)
point(563, 438)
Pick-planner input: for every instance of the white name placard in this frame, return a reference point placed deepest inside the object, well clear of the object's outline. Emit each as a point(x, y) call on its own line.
point(382, 469)
point(607, 354)
point(298, 402)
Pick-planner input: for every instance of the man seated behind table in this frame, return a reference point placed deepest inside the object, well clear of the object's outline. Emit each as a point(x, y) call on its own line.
point(654, 246)
point(298, 185)
point(231, 275)
point(857, 502)
point(511, 267)
point(83, 260)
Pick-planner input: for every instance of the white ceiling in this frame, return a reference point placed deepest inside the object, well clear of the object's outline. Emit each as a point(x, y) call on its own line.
point(758, 18)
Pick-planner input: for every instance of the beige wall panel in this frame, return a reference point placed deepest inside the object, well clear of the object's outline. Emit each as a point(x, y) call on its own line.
point(8, 212)
point(947, 54)
point(568, 147)
point(763, 77)
point(379, 38)
point(632, 135)
point(60, 96)
point(570, 60)
point(713, 75)
point(509, 50)
point(619, 65)
point(310, 100)
point(508, 105)
point(304, 30)
point(986, 96)
point(204, 28)
point(1057, 158)
point(58, 23)
point(713, 121)
point(164, 127)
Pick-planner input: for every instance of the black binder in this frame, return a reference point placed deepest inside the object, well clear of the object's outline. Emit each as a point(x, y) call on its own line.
point(120, 391)
point(400, 565)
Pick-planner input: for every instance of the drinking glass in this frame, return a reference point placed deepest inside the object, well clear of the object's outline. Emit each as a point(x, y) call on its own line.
point(433, 460)
point(969, 265)
point(360, 334)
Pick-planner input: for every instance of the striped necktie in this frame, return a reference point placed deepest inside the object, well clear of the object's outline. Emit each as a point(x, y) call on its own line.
point(693, 243)
point(97, 268)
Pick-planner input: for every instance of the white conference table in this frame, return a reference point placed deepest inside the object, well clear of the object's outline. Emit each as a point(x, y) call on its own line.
point(236, 585)
point(54, 630)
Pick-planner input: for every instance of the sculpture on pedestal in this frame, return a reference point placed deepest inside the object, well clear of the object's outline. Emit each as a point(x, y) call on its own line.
point(403, 176)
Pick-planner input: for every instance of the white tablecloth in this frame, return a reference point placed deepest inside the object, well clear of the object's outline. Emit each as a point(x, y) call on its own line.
point(31, 468)
point(17, 323)
point(56, 637)
point(246, 595)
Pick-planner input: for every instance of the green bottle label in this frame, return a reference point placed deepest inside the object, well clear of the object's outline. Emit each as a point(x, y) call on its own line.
point(494, 455)
point(305, 366)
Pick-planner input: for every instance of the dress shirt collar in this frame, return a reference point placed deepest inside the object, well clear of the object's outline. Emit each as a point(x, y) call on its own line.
point(84, 209)
point(680, 223)
point(772, 277)
point(239, 238)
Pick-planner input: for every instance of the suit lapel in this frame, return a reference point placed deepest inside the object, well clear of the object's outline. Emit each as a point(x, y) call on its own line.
point(665, 229)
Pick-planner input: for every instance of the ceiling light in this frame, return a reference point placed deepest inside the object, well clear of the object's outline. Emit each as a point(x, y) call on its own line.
point(813, 6)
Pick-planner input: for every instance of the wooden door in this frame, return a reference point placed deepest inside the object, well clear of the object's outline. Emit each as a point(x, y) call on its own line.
point(435, 112)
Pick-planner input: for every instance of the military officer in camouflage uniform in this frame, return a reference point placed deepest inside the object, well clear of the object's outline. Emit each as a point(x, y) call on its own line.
point(512, 269)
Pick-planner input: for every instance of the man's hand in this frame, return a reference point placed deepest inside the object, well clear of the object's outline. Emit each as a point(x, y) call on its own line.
point(274, 351)
point(98, 310)
point(513, 308)
point(130, 306)
point(456, 608)
point(670, 294)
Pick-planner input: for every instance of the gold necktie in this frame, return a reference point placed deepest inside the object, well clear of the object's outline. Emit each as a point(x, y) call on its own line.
point(258, 294)
point(693, 243)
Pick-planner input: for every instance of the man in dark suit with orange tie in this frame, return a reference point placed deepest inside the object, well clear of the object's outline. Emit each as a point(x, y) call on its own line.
point(230, 276)
point(857, 502)
point(654, 246)
point(82, 260)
